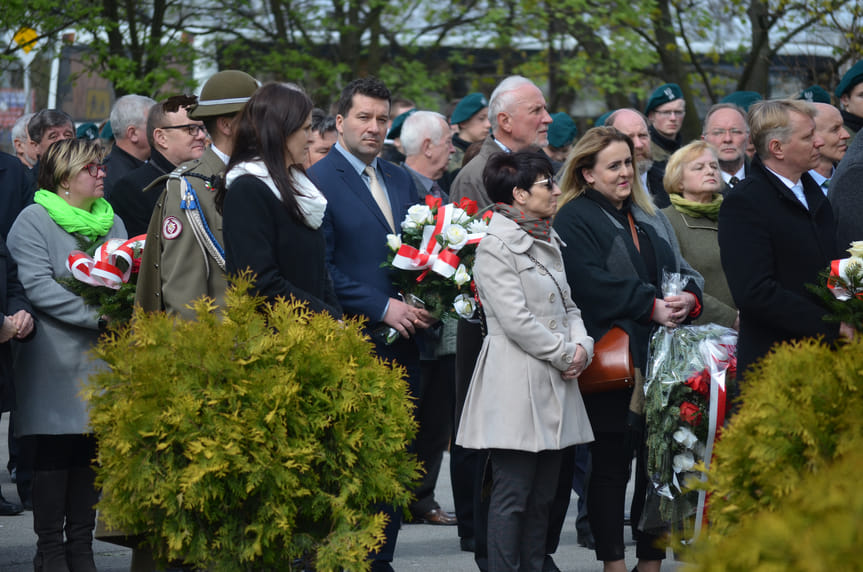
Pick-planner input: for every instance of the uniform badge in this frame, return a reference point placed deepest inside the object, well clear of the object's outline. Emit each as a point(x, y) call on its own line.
point(171, 227)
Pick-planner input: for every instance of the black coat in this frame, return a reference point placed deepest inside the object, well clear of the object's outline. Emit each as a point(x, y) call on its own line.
point(771, 246)
point(119, 164)
point(12, 299)
point(130, 201)
point(287, 256)
point(17, 192)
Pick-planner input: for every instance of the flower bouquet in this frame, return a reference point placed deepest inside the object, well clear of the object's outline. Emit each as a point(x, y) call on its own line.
point(689, 371)
point(106, 275)
point(434, 255)
point(841, 288)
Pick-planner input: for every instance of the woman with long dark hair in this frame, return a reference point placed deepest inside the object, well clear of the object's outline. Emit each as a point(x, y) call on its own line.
point(272, 212)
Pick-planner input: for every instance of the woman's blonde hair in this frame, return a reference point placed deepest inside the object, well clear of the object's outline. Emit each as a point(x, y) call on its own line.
point(583, 156)
point(65, 159)
point(673, 179)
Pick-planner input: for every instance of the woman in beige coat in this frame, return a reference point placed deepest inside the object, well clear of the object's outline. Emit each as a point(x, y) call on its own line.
point(523, 404)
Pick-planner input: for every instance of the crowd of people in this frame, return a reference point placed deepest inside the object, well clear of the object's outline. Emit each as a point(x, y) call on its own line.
point(251, 176)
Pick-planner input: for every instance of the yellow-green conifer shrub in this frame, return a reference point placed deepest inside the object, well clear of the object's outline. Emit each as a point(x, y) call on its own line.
point(258, 438)
point(801, 417)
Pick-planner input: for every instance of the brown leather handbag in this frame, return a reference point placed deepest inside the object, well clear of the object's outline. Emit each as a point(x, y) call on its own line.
point(611, 368)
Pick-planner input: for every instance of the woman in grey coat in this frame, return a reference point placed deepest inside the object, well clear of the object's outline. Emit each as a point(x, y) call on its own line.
point(51, 370)
point(523, 404)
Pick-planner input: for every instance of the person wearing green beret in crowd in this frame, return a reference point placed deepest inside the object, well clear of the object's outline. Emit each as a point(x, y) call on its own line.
point(815, 94)
point(470, 117)
point(850, 94)
point(742, 99)
point(665, 110)
point(50, 371)
point(393, 151)
point(561, 133)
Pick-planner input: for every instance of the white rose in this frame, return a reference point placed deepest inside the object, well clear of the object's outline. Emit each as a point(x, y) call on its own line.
point(683, 462)
point(461, 276)
point(463, 306)
point(455, 236)
point(459, 215)
point(685, 437)
point(856, 249)
point(420, 214)
point(409, 225)
point(477, 226)
point(394, 241)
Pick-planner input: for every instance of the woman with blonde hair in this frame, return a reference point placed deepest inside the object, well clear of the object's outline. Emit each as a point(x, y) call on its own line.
point(51, 370)
point(617, 246)
point(693, 181)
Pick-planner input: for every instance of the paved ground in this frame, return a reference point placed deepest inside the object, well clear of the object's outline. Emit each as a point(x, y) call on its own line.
point(420, 547)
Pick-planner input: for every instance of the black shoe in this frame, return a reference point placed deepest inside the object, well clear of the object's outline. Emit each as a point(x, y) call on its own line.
point(586, 540)
point(467, 544)
point(9, 508)
point(548, 564)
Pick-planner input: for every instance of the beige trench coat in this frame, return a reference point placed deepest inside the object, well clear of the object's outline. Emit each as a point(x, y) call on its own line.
point(517, 399)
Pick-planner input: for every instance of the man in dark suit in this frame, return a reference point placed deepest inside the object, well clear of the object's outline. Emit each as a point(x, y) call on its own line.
point(633, 124)
point(367, 198)
point(725, 128)
point(777, 232)
point(131, 147)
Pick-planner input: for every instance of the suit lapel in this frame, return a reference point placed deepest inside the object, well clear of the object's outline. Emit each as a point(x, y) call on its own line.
point(357, 185)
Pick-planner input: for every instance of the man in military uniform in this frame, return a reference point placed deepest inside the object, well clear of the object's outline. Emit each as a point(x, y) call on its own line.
point(665, 110)
point(184, 259)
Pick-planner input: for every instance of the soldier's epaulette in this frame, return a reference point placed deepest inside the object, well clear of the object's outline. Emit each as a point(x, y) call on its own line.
point(183, 170)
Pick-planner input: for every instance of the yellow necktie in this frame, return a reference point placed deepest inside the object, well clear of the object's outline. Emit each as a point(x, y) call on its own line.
point(380, 196)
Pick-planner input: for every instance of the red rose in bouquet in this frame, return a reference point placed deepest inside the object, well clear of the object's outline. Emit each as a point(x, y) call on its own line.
point(690, 413)
point(700, 382)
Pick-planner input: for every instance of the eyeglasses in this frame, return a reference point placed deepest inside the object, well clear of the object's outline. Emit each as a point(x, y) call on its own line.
point(95, 168)
point(670, 112)
point(722, 132)
point(546, 182)
point(191, 128)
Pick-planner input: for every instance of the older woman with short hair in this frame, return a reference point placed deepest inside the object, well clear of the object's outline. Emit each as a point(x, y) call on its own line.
point(523, 404)
point(693, 181)
point(617, 248)
point(51, 370)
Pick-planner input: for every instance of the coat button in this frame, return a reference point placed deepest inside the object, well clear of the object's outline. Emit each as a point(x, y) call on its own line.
point(552, 324)
point(551, 297)
point(565, 323)
point(558, 266)
point(566, 358)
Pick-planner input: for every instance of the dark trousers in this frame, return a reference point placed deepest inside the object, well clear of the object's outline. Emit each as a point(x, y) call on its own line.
point(560, 504)
point(523, 489)
point(434, 405)
point(610, 469)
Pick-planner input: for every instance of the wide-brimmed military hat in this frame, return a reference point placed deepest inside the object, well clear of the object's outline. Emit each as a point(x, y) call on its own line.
point(469, 106)
point(562, 130)
point(225, 93)
point(851, 78)
point(663, 94)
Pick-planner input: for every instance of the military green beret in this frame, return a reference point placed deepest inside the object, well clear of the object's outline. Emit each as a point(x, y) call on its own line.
point(562, 130)
point(815, 94)
point(742, 99)
point(851, 78)
point(396, 128)
point(88, 131)
point(107, 133)
point(600, 121)
point(225, 93)
point(469, 106)
point(664, 94)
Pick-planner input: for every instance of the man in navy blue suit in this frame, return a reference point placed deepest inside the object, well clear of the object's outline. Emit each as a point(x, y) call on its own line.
point(367, 198)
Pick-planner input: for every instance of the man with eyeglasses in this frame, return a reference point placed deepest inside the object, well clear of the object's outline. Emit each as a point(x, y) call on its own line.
point(174, 139)
point(725, 128)
point(665, 110)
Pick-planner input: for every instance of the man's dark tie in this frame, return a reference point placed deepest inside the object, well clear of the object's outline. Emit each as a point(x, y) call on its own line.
point(732, 182)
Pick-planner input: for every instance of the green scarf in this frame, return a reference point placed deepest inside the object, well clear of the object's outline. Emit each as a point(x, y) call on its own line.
point(707, 210)
point(73, 220)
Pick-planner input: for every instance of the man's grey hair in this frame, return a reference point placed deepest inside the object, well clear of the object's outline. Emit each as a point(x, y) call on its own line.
point(130, 110)
point(502, 100)
point(717, 107)
point(609, 121)
point(44, 120)
point(419, 126)
point(19, 130)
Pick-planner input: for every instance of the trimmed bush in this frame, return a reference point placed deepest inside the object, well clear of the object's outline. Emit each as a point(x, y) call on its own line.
point(258, 437)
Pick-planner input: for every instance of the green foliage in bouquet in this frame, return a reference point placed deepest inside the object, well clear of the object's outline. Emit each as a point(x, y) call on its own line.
point(800, 421)
point(849, 310)
point(257, 438)
point(115, 304)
